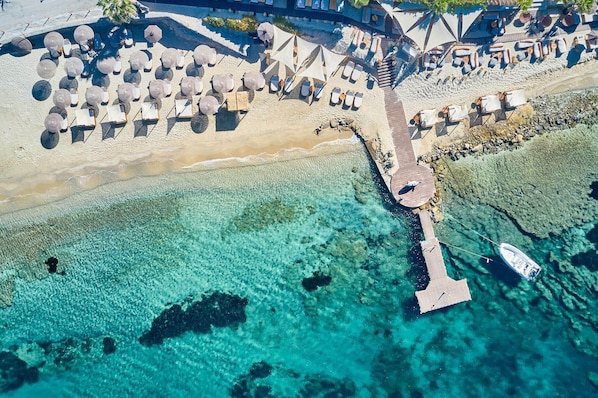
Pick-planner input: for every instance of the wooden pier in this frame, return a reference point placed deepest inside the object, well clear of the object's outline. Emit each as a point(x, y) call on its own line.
point(442, 291)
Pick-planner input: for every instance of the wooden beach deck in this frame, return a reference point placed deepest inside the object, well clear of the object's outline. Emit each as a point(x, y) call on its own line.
point(442, 291)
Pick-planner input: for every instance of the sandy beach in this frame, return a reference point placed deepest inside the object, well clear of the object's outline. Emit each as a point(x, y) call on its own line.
point(275, 127)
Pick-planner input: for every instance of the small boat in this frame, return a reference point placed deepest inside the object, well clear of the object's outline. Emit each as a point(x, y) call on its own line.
point(519, 261)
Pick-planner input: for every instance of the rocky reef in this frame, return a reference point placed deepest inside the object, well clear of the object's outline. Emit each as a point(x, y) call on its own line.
point(258, 216)
point(216, 309)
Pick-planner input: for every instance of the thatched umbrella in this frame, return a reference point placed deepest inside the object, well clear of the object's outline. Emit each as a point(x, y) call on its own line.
point(62, 98)
point(53, 42)
point(126, 92)
point(93, 95)
point(157, 89)
point(188, 86)
point(152, 34)
point(169, 58)
point(73, 66)
point(223, 83)
point(265, 31)
point(46, 68)
point(254, 80)
point(203, 54)
point(138, 59)
point(82, 34)
point(53, 122)
point(105, 65)
point(209, 105)
point(21, 45)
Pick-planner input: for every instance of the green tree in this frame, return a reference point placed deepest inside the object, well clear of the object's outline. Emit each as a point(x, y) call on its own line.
point(584, 5)
point(119, 11)
point(524, 4)
point(359, 3)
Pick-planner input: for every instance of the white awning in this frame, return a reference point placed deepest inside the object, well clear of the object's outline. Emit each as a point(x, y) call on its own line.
point(407, 19)
point(304, 50)
point(468, 17)
point(315, 69)
point(280, 38)
point(439, 33)
point(331, 61)
point(515, 98)
point(285, 54)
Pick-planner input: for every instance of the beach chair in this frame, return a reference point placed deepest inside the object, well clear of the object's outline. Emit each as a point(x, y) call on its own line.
point(506, 56)
point(349, 97)
point(561, 45)
point(149, 111)
point(319, 91)
point(74, 97)
point(183, 108)
point(358, 100)
point(85, 118)
point(180, 59)
point(537, 50)
point(149, 64)
point(357, 38)
point(67, 48)
point(198, 85)
point(356, 72)
point(288, 85)
point(496, 48)
point(117, 114)
point(118, 65)
point(136, 92)
point(473, 60)
point(375, 44)
point(274, 83)
point(86, 69)
point(524, 44)
point(105, 96)
point(335, 96)
point(168, 87)
point(305, 86)
point(348, 69)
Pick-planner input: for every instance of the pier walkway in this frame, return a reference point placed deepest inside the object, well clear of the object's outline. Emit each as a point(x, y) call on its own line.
point(442, 291)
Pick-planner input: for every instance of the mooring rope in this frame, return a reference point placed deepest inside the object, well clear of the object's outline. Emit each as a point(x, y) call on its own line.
point(488, 259)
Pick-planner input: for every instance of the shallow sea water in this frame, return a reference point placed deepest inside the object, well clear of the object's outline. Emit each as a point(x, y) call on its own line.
point(131, 250)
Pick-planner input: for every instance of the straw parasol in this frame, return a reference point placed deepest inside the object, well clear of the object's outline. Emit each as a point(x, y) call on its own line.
point(157, 89)
point(53, 122)
point(203, 54)
point(188, 86)
point(46, 69)
point(265, 31)
point(105, 65)
point(253, 80)
point(209, 105)
point(73, 66)
point(53, 41)
point(169, 58)
point(82, 34)
point(138, 59)
point(223, 83)
point(152, 33)
point(93, 95)
point(21, 45)
point(62, 98)
point(126, 92)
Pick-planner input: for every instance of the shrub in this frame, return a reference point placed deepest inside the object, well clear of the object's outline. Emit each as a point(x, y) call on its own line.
point(285, 25)
point(214, 21)
point(247, 23)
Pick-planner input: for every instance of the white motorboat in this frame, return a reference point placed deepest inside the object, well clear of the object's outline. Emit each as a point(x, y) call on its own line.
point(519, 261)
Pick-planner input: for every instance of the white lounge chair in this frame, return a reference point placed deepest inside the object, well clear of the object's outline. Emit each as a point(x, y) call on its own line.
point(473, 60)
point(85, 117)
point(288, 85)
point(348, 69)
point(67, 48)
point(168, 87)
point(105, 95)
point(183, 108)
point(506, 56)
point(375, 45)
point(462, 52)
point(116, 114)
point(180, 59)
point(319, 91)
point(136, 92)
point(356, 72)
point(148, 65)
point(274, 83)
point(524, 44)
point(149, 111)
point(358, 100)
point(561, 45)
point(537, 50)
point(213, 58)
point(74, 97)
point(357, 38)
point(349, 97)
point(198, 85)
point(335, 96)
point(118, 65)
point(305, 86)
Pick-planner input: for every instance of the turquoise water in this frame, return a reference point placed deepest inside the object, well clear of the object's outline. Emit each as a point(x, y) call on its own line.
point(129, 251)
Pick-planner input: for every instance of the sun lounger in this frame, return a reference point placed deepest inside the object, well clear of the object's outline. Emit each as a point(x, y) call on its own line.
point(67, 48)
point(149, 111)
point(357, 38)
point(348, 69)
point(428, 118)
point(561, 45)
point(148, 65)
point(496, 48)
point(335, 95)
point(274, 83)
point(118, 65)
point(545, 48)
point(136, 92)
point(319, 91)
point(288, 85)
point(183, 108)
point(356, 72)
point(198, 85)
point(168, 87)
point(461, 52)
point(349, 97)
point(116, 114)
point(305, 86)
point(74, 97)
point(537, 50)
point(375, 44)
point(86, 69)
point(105, 95)
point(506, 56)
point(358, 100)
point(180, 59)
point(525, 44)
point(85, 117)
point(213, 58)
point(473, 60)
